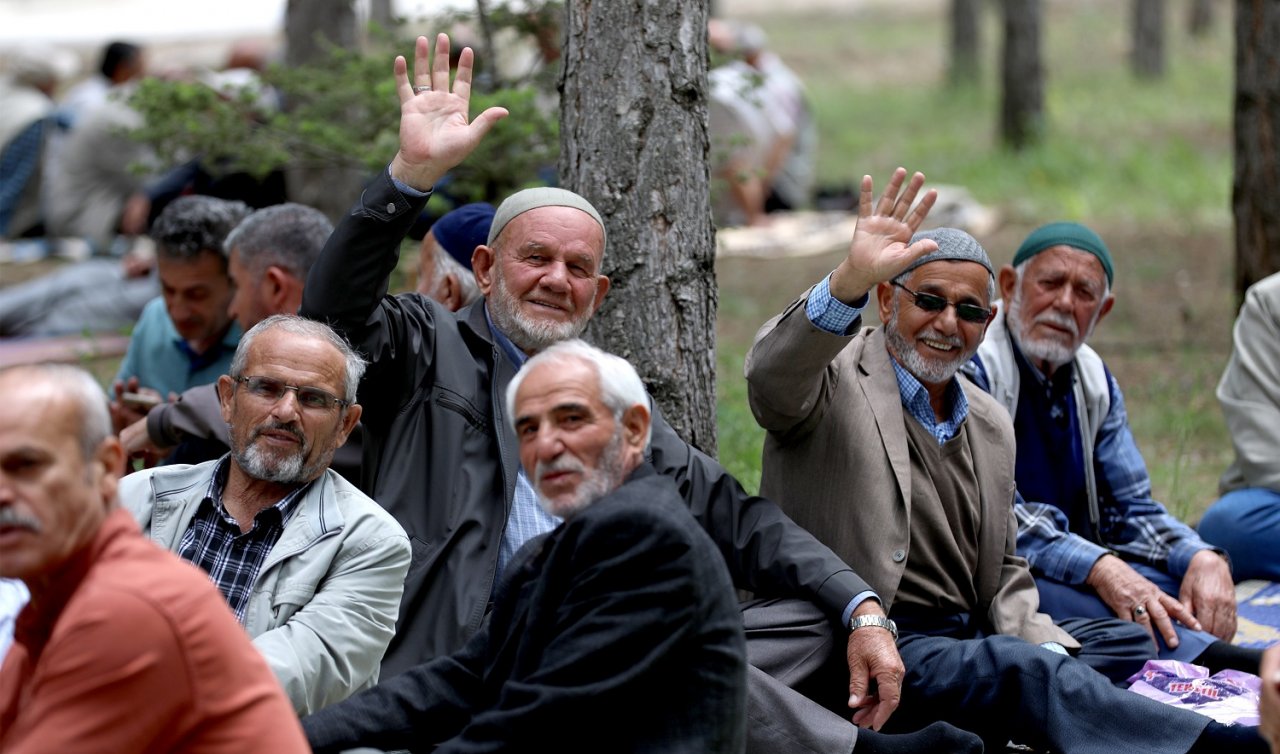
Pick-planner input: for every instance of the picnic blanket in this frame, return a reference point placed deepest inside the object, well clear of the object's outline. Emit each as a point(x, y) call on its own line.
point(1258, 606)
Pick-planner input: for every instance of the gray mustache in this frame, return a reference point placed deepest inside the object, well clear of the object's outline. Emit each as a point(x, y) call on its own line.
point(11, 518)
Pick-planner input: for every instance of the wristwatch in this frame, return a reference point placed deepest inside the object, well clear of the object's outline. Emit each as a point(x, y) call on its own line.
point(862, 621)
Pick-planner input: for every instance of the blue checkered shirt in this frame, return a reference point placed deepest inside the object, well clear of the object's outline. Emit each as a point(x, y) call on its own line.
point(214, 542)
point(527, 519)
point(18, 162)
point(1130, 521)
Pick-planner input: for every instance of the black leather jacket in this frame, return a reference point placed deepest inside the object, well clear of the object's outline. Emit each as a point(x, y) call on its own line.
point(440, 456)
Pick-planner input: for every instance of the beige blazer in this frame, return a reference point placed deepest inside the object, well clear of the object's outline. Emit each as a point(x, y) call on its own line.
point(1250, 390)
point(836, 459)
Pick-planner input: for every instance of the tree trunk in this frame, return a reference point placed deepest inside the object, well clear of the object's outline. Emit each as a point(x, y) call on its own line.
point(1200, 17)
point(380, 13)
point(966, 41)
point(633, 140)
point(1022, 75)
point(310, 26)
point(1255, 197)
point(1148, 39)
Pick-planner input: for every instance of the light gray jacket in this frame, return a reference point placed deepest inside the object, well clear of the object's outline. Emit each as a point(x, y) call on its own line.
point(1250, 390)
point(324, 605)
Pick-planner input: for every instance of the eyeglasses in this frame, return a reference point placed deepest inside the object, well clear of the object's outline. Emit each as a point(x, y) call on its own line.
point(308, 397)
point(931, 303)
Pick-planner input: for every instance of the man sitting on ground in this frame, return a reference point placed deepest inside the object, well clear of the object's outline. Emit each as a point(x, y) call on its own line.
point(1097, 543)
point(311, 567)
point(618, 630)
point(908, 473)
point(186, 337)
point(1246, 519)
point(123, 646)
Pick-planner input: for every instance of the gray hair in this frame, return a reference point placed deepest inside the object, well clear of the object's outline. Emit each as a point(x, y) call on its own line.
point(620, 385)
point(193, 225)
point(78, 385)
point(445, 264)
point(307, 328)
point(289, 236)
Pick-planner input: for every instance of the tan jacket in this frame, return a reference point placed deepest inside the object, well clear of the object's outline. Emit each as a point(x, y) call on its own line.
point(836, 460)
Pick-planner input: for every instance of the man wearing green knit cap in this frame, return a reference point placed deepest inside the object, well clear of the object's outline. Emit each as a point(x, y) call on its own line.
point(1097, 543)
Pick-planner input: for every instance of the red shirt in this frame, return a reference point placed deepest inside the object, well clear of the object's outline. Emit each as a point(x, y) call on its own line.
point(129, 649)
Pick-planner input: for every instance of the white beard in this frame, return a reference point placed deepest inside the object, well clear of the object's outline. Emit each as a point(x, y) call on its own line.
point(529, 334)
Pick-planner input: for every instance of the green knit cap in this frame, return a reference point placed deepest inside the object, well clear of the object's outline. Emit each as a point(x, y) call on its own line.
point(1074, 235)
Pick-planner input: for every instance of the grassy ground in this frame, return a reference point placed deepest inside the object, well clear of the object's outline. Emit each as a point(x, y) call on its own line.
point(1148, 165)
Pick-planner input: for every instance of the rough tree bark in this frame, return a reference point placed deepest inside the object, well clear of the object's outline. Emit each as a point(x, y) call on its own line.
point(633, 140)
point(1255, 196)
point(1200, 17)
point(308, 26)
point(1147, 56)
point(1022, 75)
point(966, 41)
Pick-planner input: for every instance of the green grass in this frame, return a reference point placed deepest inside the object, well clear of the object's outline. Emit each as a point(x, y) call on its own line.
point(1146, 164)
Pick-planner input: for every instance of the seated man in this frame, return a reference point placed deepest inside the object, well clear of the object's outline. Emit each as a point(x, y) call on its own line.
point(31, 75)
point(311, 567)
point(1245, 521)
point(1096, 542)
point(186, 337)
point(123, 647)
point(618, 630)
point(908, 473)
point(444, 262)
point(268, 257)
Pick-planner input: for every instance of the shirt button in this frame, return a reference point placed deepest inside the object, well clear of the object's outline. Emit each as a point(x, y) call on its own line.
point(391, 208)
point(899, 556)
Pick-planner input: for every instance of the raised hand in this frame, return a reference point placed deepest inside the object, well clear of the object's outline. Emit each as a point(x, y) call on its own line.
point(435, 131)
point(881, 246)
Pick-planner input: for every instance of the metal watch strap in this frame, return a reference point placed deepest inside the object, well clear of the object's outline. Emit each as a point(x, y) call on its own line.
point(879, 621)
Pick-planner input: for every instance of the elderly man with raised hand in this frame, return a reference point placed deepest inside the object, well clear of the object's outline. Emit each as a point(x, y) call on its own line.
point(617, 631)
point(907, 472)
point(123, 647)
point(1096, 541)
point(312, 568)
point(440, 456)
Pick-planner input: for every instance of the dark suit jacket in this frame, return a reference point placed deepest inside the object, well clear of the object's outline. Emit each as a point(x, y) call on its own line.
point(618, 631)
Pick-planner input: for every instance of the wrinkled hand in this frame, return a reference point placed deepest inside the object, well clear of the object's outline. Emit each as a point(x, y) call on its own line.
point(1124, 589)
point(881, 246)
point(1208, 592)
point(134, 215)
point(1269, 706)
point(872, 655)
point(435, 134)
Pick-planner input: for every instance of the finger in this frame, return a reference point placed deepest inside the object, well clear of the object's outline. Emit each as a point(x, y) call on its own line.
point(1159, 617)
point(858, 680)
point(864, 197)
point(864, 716)
point(889, 690)
point(440, 69)
point(462, 82)
point(908, 196)
point(487, 120)
point(422, 62)
point(1177, 610)
point(890, 195)
point(917, 216)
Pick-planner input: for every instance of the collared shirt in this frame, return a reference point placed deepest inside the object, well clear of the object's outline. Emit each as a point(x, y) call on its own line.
point(162, 360)
point(233, 559)
point(1130, 521)
point(527, 519)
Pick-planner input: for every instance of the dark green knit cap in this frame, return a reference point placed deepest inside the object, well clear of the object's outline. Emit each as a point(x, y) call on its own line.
point(1074, 235)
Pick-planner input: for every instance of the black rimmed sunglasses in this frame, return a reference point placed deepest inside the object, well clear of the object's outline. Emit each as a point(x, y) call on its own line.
point(931, 303)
